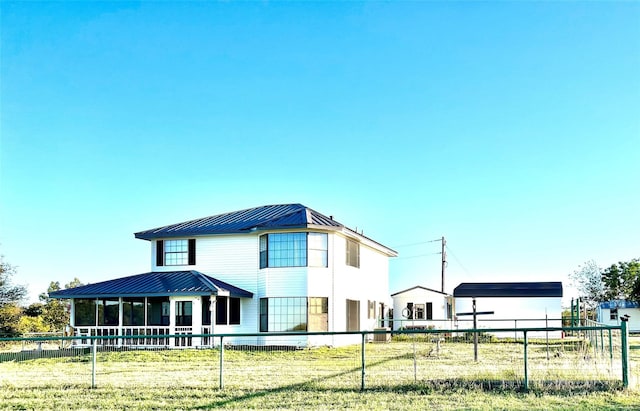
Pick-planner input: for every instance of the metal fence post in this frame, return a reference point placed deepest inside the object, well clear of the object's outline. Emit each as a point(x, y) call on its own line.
point(526, 365)
point(625, 353)
point(221, 363)
point(93, 363)
point(363, 363)
point(610, 347)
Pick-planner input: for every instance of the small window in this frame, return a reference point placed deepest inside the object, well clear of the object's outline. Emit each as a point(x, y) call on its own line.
point(418, 311)
point(613, 314)
point(353, 253)
point(175, 252)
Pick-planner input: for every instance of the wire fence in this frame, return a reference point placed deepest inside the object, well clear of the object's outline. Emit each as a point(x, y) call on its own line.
point(595, 356)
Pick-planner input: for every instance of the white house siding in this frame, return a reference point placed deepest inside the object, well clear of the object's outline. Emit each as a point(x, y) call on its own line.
point(513, 312)
point(235, 260)
point(420, 295)
point(370, 282)
point(232, 259)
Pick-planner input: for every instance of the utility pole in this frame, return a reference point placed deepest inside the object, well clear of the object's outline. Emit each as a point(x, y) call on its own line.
point(444, 261)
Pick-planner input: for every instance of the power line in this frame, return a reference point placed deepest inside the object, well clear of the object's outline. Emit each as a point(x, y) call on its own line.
point(415, 256)
point(458, 261)
point(420, 243)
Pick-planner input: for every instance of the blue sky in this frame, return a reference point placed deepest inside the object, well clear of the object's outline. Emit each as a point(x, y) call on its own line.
point(510, 128)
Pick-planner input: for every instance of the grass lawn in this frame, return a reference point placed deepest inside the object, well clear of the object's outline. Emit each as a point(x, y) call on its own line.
point(320, 379)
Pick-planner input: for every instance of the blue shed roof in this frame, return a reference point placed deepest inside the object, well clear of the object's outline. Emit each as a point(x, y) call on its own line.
point(531, 289)
point(154, 284)
point(618, 304)
point(259, 218)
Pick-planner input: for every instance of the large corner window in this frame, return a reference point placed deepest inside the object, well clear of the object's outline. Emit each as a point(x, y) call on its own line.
point(289, 314)
point(353, 253)
point(176, 252)
point(293, 250)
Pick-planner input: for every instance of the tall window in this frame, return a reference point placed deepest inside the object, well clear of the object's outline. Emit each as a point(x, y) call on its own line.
point(176, 252)
point(318, 314)
point(133, 311)
point(371, 313)
point(206, 310)
point(293, 314)
point(317, 249)
point(353, 315)
point(183, 313)
point(293, 250)
point(353, 253)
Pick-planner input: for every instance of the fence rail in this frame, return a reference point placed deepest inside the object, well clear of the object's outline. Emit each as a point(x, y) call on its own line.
point(597, 355)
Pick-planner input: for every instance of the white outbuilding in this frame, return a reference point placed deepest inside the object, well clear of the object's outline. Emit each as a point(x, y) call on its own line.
point(510, 305)
point(422, 307)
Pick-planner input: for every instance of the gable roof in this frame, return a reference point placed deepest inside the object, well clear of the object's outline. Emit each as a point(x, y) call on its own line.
point(154, 284)
point(243, 221)
point(421, 287)
point(521, 289)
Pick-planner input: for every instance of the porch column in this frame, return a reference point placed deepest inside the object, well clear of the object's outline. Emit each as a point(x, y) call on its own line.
point(212, 309)
point(121, 322)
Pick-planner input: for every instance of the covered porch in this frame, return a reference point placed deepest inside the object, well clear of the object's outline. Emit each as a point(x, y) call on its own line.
point(157, 304)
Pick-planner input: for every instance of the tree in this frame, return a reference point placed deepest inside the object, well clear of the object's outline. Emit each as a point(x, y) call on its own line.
point(9, 293)
point(54, 312)
point(588, 280)
point(10, 297)
point(622, 281)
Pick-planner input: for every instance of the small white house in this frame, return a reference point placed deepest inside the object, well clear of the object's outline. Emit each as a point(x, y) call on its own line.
point(422, 307)
point(611, 312)
point(510, 305)
point(270, 269)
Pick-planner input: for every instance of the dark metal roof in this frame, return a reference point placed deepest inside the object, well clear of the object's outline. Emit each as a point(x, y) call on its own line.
point(259, 218)
point(421, 287)
point(154, 284)
point(533, 289)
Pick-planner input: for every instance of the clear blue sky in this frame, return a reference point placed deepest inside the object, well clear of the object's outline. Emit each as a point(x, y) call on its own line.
point(510, 128)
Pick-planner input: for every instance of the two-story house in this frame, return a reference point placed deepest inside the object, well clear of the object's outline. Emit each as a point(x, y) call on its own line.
point(270, 269)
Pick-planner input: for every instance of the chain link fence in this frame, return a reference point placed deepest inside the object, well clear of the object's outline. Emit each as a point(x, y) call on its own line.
point(593, 356)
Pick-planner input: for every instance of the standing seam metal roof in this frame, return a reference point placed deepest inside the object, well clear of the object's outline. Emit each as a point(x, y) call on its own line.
point(154, 284)
point(519, 289)
point(265, 217)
